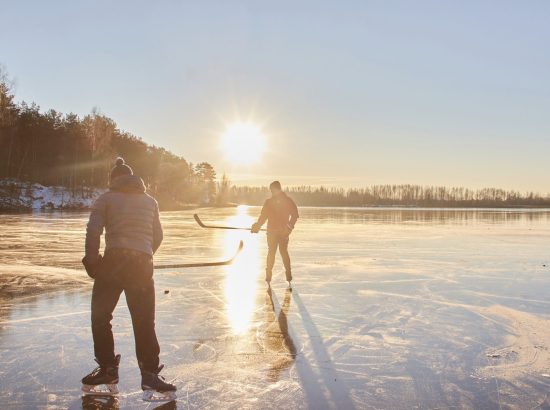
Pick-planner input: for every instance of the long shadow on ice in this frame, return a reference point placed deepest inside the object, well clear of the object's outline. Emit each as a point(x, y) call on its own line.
point(278, 336)
point(336, 393)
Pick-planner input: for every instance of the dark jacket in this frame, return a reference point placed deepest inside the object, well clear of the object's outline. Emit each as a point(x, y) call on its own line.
point(130, 218)
point(280, 211)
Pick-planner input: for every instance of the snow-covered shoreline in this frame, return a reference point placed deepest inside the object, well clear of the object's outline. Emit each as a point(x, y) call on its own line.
point(17, 195)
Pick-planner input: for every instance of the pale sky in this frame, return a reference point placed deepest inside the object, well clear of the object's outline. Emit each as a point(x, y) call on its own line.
point(348, 93)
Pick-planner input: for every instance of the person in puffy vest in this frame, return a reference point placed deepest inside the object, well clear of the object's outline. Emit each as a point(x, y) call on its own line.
point(133, 233)
point(281, 215)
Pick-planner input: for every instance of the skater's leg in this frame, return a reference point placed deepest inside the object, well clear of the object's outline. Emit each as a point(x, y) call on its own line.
point(105, 295)
point(283, 250)
point(140, 296)
point(272, 244)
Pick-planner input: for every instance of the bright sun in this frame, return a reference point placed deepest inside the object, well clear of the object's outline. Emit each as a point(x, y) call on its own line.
point(243, 143)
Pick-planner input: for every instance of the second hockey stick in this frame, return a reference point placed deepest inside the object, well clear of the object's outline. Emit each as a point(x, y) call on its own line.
point(202, 264)
point(202, 225)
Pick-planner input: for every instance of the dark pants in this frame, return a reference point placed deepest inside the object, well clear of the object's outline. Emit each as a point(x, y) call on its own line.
point(131, 272)
point(277, 240)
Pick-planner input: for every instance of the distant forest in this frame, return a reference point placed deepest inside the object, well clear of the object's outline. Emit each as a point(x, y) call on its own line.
point(53, 148)
point(396, 195)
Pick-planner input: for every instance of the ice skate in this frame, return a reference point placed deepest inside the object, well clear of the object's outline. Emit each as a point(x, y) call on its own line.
point(155, 388)
point(288, 275)
point(102, 381)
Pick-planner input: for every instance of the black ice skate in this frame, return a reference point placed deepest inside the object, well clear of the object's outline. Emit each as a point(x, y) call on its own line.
point(102, 380)
point(155, 388)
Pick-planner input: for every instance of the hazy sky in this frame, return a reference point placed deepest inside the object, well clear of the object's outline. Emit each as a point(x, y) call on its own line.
point(349, 93)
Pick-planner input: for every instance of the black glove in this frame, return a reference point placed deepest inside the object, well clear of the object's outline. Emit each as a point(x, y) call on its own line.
point(92, 266)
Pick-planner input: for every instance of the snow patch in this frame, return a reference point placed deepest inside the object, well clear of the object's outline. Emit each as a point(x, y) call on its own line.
point(16, 195)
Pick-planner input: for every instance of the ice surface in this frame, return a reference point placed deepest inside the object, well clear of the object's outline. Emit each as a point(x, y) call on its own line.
point(391, 308)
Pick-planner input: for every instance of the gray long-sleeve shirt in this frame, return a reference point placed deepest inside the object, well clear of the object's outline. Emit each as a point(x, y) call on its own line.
point(129, 216)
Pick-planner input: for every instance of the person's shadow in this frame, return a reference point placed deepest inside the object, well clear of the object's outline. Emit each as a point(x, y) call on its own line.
point(278, 339)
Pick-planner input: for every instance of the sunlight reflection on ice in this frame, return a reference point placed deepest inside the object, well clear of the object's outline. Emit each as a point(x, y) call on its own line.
point(241, 277)
point(387, 300)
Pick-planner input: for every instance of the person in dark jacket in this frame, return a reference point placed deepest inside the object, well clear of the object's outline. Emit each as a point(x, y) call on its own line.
point(133, 233)
point(281, 215)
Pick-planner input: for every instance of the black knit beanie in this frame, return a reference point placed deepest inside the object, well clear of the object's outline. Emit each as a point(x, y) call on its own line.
point(120, 169)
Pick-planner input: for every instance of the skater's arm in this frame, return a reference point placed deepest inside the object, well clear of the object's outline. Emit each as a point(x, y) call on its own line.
point(293, 214)
point(263, 215)
point(256, 226)
point(157, 230)
point(95, 226)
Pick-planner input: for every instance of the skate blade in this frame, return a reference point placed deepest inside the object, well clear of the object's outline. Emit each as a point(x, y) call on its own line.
point(100, 389)
point(157, 396)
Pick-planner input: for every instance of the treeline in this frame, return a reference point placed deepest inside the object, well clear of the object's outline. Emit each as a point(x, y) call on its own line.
point(53, 148)
point(396, 195)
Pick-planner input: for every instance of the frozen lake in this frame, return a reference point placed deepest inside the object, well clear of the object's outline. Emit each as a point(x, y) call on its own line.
point(391, 309)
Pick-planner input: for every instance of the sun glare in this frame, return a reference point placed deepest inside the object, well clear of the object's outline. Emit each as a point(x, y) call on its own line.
point(243, 143)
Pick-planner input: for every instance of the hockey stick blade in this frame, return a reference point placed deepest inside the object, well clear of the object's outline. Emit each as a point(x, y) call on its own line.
point(202, 225)
point(202, 264)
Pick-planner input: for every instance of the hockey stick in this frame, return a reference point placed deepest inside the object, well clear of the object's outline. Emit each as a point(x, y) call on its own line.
point(202, 225)
point(203, 264)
